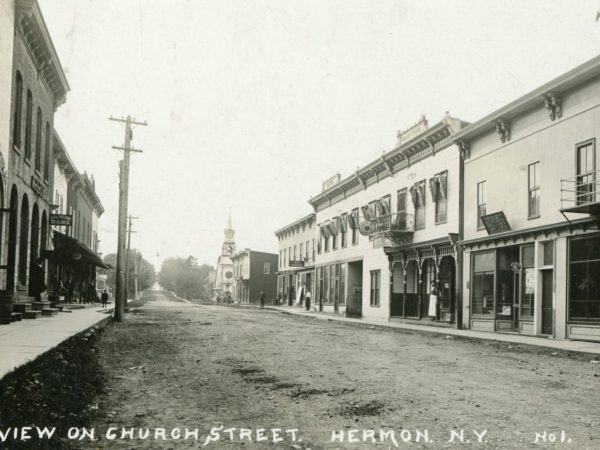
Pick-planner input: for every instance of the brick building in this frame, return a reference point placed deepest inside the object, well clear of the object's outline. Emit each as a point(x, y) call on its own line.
point(39, 87)
point(254, 272)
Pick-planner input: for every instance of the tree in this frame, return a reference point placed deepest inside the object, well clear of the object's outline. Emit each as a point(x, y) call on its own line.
point(146, 272)
point(185, 278)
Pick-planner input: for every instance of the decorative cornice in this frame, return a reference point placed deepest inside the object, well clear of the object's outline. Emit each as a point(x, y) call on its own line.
point(553, 104)
point(503, 129)
point(31, 25)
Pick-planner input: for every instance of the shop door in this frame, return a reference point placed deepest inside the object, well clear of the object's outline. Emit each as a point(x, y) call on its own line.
point(517, 304)
point(547, 313)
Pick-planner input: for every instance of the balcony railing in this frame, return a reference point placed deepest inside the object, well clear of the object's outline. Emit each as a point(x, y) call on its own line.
point(396, 222)
point(581, 193)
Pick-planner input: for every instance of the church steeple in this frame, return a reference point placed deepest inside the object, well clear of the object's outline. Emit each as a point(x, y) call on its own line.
point(229, 243)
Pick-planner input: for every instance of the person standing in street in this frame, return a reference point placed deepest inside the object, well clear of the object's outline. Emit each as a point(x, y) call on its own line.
point(307, 298)
point(262, 299)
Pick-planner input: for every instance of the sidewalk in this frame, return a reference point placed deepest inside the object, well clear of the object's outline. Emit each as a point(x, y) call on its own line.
point(567, 345)
point(21, 342)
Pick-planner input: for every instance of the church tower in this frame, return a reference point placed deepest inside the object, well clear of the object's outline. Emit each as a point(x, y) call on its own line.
point(224, 277)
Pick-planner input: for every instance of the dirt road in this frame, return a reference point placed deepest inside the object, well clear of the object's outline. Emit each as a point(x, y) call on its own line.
point(173, 366)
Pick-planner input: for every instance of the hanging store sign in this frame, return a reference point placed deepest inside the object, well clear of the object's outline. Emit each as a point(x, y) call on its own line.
point(296, 263)
point(495, 223)
point(37, 187)
point(61, 220)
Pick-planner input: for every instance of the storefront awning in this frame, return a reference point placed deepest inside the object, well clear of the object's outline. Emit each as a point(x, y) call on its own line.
point(70, 249)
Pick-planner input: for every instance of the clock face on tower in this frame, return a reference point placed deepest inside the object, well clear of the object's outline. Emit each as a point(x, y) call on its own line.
point(229, 250)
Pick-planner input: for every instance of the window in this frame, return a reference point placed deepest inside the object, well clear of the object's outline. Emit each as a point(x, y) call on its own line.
point(586, 155)
point(320, 245)
point(326, 242)
point(47, 152)
point(343, 230)
point(280, 259)
point(267, 268)
point(401, 201)
point(528, 280)
point(417, 192)
point(295, 253)
point(584, 292)
point(438, 186)
point(38, 140)
point(548, 253)
point(306, 254)
point(285, 257)
point(385, 205)
point(18, 111)
point(28, 119)
point(481, 205)
point(335, 226)
point(313, 250)
point(534, 190)
point(353, 221)
point(375, 281)
point(484, 266)
point(301, 251)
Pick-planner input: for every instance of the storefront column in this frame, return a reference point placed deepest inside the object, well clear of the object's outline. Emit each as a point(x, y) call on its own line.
point(561, 269)
point(466, 291)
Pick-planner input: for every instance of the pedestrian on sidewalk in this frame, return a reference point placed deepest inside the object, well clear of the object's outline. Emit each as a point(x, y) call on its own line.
point(307, 298)
point(36, 283)
point(70, 288)
point(104, 298)
point(262, 299)
point(433, 299)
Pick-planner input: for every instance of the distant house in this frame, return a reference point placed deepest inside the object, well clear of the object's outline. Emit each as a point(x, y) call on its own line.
point(254, 272)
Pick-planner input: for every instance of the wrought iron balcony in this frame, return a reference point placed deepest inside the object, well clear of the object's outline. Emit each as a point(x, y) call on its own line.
point(396, 223)
point(581, 194)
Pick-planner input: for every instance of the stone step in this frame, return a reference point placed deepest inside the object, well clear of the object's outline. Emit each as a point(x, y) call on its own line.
point(16, 317)
point(21, 307)
point(49, 312)
point(39, 306)
point(32, 314)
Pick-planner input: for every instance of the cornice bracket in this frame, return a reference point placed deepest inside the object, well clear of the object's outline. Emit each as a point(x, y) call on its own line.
point(503, 129)
point(553, 104)
point(465, 149)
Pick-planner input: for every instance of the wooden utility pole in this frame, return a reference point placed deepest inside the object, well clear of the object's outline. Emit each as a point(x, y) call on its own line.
point(136, 275)
point(120, 294)
point(129, 231)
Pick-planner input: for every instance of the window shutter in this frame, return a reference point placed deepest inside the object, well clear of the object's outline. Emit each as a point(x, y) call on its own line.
point(366, 210)
point(434, 188)
point(444, 185)
point(344, 223)
point(414, 196)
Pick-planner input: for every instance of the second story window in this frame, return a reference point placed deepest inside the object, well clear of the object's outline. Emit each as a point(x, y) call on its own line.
point(28, 120)
point(301, 251)
point(47, 152)
point(385, 205)
point(586, 179)
point(533, 190)
point(267, 268)
point(18, 111)
point(344, 230)
point(353, 222)
point(307, 254)
point(481, 204)
point(438, 186)
point(335, 229)
point(417, 193)
point(38, 140)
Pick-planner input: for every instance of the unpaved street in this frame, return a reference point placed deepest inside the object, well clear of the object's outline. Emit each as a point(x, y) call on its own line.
point(175, 365)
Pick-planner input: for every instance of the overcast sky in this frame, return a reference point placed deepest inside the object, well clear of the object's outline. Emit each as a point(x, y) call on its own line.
point(251, 104)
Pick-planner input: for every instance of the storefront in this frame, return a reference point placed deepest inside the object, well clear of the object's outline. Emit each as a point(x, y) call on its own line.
point(72, 269)
point(331, 287)
point(424, 282)
point(511, 288)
